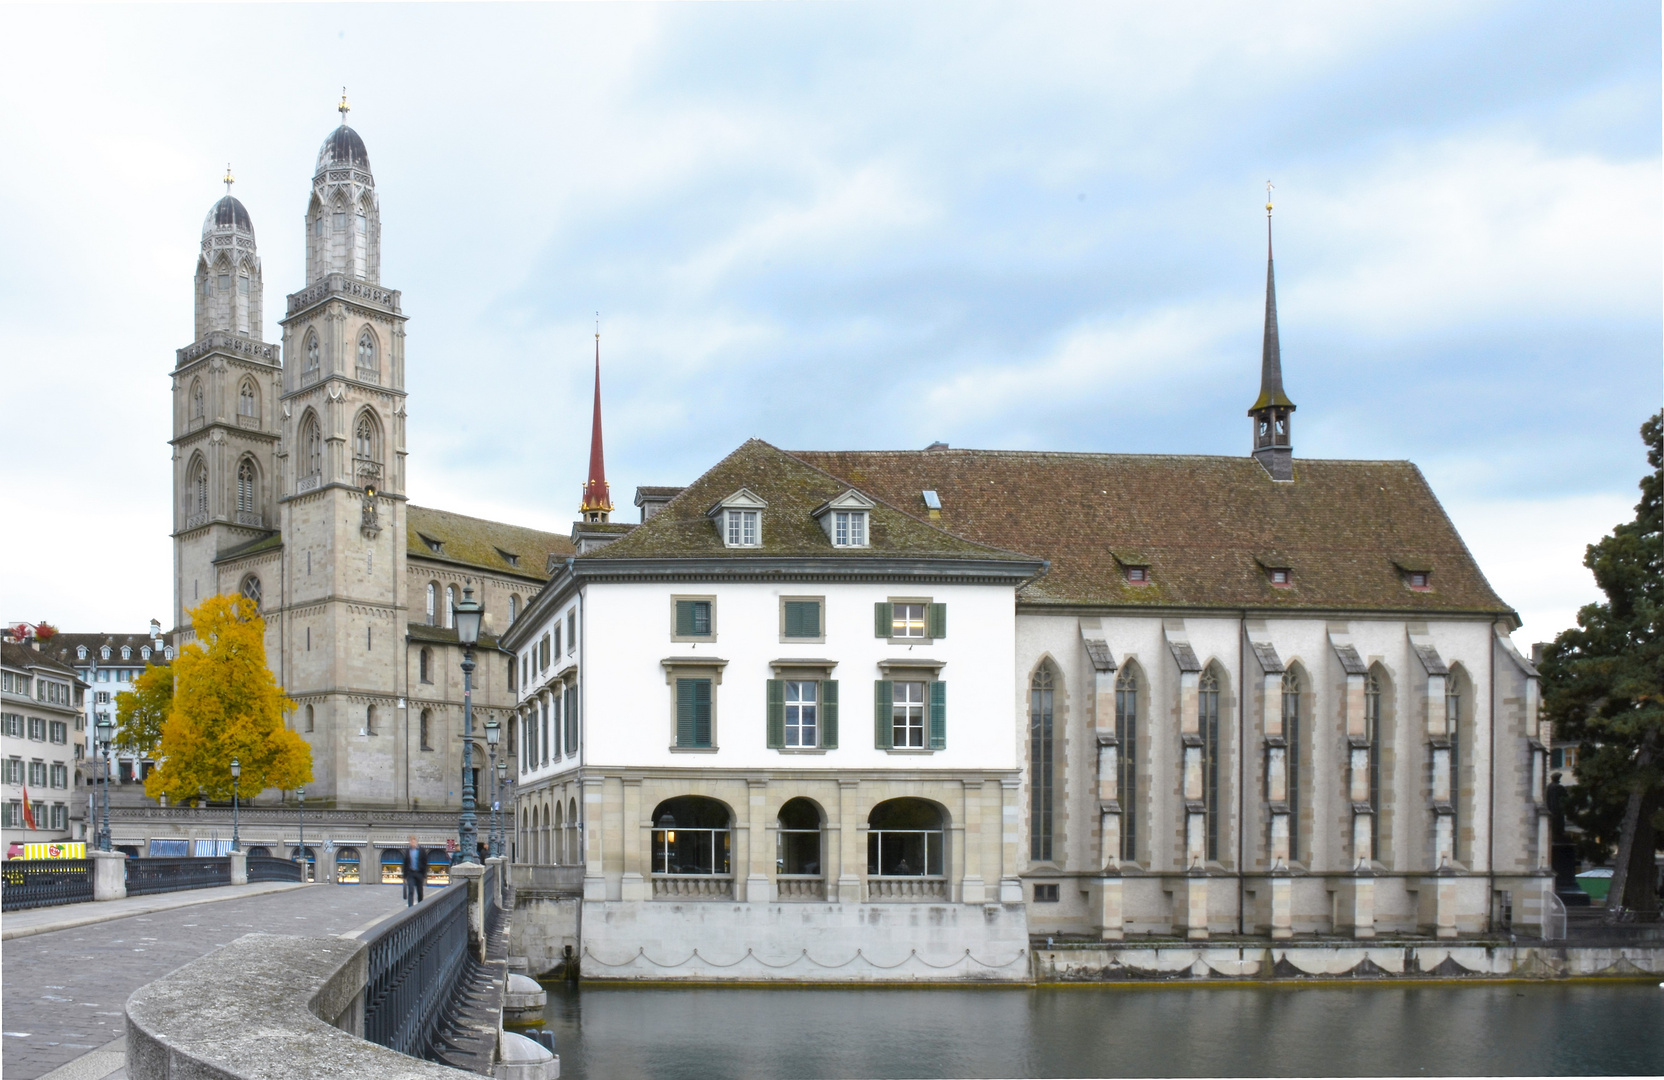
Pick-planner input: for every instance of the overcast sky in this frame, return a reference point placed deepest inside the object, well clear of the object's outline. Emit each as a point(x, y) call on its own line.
point(857, 226)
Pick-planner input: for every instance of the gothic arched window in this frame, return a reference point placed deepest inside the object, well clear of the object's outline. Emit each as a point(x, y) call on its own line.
point(1207, 702)
point(311, 448)
point(366, 439)
point(1291, 737)
point(248, 402)
point(367, 364)
point(1041, 763)
point(1454, 729)
point(199, 488)
point(198, 407)
point(245, 486)
point(313, 357)
point(1126, 734)
point(1372, 733)
point(251, 589)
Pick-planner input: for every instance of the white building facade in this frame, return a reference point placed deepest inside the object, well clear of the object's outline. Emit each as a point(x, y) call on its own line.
point(41, 739)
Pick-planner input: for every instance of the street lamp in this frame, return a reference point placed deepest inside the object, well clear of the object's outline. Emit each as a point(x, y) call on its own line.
point(236, 772)
point(106, 731)
point(300, 852)
point(493, 731)
point(502, 820)
point(467, 615)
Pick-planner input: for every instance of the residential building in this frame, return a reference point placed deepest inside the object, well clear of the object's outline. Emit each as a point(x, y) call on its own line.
point(41, 739)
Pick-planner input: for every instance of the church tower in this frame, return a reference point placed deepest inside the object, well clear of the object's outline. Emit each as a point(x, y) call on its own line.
point(225, 430)
point(1272, 411)
point(343, 648)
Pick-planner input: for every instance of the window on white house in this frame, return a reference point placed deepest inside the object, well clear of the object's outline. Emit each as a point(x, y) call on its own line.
point(907, 620)
point(907, 715)
point(742, 528)
point(802, 701)
point(849, 528)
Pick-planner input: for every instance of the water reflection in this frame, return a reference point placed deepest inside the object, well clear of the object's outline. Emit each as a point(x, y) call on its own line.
point(710, 1034)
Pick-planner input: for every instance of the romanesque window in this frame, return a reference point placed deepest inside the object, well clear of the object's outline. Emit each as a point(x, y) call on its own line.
point(1291, 736)
point(433, 601)
point(245, 486)
point(248, 404)
point(1042, 699)
point(369, 719)
point(311, 719)
point(1207, 702)
point(513, 611)
point(311, 448)
point(1372, 733)
point(691, 836)
point(1126, 734)
point(251, 589)
point(367, 365)
point(424, 665)
point(450, 607)
point(198, 408)
point(427, 729)
point(905, 839)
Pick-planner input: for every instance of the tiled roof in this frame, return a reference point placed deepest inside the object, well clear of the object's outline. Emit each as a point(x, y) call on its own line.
point(792, 490)
point(472, 541)
point(24, 658)
point(1203, 525)
point(62, 648)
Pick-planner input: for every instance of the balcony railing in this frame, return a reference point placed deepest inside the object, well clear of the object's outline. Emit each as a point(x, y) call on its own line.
point(692, 887)
point(800, 887)
point(908, 889)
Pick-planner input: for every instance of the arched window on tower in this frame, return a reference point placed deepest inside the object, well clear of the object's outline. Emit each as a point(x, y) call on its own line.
point(199, 491)
point(1041, 762)
point(366, 448)
point(251, 589)
point(242, 300)
point(245, 489)
point(198, 406)
point(248, 400)
point(314, 353)
point(1126, 735)
point(369, 367)
point(1207, 702)
point(311, 448)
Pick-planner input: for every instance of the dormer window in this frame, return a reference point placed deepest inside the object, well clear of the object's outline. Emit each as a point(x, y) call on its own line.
point(126, 653)
point(846, 519)
point(739, 519)
point(144, 652)
point(1418, 579)
point(1282, 577)
point(80, 652)
point(1138, 575)
point(435, 546)
point(1415, 572)
point(509, 557)
point(104, 653)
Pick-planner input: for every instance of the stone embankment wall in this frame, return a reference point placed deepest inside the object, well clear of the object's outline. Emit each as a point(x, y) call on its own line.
point(543, 929)
point(1090, 962)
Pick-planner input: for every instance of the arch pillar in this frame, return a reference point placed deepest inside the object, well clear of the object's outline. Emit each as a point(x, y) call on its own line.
point(634, 882)
point(760, 859)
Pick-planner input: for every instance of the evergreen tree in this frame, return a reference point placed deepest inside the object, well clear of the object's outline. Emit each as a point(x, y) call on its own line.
point(1603, 685)
point(226, 704)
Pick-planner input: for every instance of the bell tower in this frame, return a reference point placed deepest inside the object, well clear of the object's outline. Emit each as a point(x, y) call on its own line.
point(343, 487)
point(1272, 411)
point(225, 430)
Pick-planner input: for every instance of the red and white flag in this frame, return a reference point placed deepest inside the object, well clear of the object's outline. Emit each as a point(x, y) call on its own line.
point(28, 813)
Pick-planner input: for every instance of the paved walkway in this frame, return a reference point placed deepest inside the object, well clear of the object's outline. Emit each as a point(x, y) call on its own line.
point(64, 988)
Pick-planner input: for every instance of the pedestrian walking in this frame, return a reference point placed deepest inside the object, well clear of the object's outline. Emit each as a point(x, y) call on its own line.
point(415, 873)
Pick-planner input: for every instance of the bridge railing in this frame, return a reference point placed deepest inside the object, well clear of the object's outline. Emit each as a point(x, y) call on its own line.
point(414, 960)
point(35, 883)
point(262, 868)
point(164, 874)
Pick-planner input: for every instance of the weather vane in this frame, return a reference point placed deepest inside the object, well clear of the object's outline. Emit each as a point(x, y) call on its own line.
point(229, 179)
point(1268, 187)
point(597, 326)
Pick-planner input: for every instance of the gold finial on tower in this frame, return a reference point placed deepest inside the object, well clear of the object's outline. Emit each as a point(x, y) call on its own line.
point(229, 179)
point(597, 326)
point(343, 108)
point(1268, 187)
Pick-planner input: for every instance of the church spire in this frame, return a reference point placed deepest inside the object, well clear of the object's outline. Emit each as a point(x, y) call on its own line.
point(1272, 446)
point(597, 504)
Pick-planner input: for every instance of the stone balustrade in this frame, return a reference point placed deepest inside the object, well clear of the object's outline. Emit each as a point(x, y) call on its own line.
point(795, 887)
point(692, 887)
point(915, 889)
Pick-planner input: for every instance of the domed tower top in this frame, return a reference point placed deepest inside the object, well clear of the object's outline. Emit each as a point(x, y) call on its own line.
point(343, 217)
point(228, 287)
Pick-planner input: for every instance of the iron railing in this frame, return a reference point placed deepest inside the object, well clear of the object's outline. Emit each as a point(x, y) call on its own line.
point(35, 883)
point(261, 868)
point(414, 961)
point(157, 875)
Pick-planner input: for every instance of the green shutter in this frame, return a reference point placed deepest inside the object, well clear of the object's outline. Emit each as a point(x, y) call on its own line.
point(803, 618)
point(937, 626)
point(938, 715)
point(776, 713)
point(829, 714)
point(684, 711)
point(883, 621)
point(701, 712)
point(684, 618)
point(883, 709)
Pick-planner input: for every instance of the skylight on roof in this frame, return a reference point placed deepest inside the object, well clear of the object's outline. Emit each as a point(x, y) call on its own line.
point(932, 501)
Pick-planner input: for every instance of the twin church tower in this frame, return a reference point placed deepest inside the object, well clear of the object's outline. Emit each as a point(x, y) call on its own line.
point(290, 488)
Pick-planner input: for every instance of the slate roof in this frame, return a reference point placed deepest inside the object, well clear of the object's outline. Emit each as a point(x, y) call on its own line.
point(25, 658)
point(62, 649)
point(1205, 526)
point(471, 541)
point(792, 489)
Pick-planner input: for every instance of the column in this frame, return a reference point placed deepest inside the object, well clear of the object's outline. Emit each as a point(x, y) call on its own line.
point(591, 827)
point(637, 838)
point(968, 842)
point(759, 880)
point(851, 843)
point(1011, 887)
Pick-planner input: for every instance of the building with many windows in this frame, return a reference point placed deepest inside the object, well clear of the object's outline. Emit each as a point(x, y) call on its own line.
point(109, 664)
point(41, 739)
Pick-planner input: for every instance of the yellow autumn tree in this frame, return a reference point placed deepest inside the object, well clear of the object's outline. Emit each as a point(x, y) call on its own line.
point(226, 704)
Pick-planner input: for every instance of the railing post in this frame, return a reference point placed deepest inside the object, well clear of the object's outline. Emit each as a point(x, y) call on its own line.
point(239, 867)
point(501, 863)
point(109, 875)
point(471, 876)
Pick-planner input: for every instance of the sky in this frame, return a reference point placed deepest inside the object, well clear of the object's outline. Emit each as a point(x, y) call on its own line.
point(857, 226)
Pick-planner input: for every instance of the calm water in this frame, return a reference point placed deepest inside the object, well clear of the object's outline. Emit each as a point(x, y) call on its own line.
point(669, 1034)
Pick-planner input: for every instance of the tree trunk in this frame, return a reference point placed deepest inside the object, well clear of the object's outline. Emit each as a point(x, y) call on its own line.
point(1633, 871)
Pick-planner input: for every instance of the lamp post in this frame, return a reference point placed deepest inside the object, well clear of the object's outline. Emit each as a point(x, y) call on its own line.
point(502, 819)
point(236, 773)
point(300, 852)
point(492, 732)
point(467, 615)
point(106, 731)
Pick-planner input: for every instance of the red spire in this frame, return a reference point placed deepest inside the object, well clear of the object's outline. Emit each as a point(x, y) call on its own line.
point(597, 502)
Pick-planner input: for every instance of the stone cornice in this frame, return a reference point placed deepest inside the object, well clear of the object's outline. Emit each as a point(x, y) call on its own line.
point(237, 345)
point(339, 285)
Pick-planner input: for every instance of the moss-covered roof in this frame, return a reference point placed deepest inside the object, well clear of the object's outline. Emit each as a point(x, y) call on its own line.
point(272, 541)
point(1205, 526)
point(488, 545)
point(792, 490)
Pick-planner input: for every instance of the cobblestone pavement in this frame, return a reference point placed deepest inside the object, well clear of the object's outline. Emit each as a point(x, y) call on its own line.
point(63, 991)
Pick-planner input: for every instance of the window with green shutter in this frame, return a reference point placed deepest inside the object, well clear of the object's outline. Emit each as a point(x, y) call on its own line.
point(938, 627)
point(801, 619)
point(693, 618)
point(776, 713)
point(938, 715)
point(693, 713)
point(829, 714)
point(881, 619)
point(883, 694)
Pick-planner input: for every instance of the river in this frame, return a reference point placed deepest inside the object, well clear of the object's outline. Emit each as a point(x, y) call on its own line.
point(624, 1033)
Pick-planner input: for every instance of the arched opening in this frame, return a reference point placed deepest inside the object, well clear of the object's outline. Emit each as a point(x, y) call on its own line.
point(450, 607)
point(1041, 761)
point(311, 719)
point(424, 665)
point(247, 491)
point(369, 720)
point(1293, 756)
point(798, 847)
point(369, 363)
point(427, 729)
point(259, 852)
point(199, 407)
point(248, 399)
point(308, 858)
point(366, 447)
point(691, 836)
point(314, 353)
point(251, 589)
point(433, 602)
point(574, 833)
point(1126, 762)
point(346, 866)
point(1458, 694)
point(197, 490)
point(311, 447)
point(513, 609)
point(906, 838)
point(392, 866)
point(1208, 689)
point(1375, 684)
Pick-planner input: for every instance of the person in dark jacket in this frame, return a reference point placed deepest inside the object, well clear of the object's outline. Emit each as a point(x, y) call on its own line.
point(415, 873)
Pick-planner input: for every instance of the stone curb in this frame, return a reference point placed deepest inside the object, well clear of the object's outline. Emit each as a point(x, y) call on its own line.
point(110, 910)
